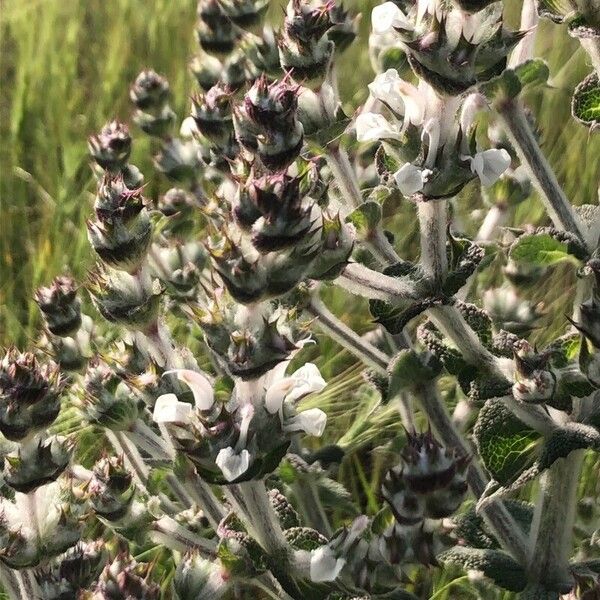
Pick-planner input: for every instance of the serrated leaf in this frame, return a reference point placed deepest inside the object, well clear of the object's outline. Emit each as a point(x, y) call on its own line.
point(505, 443)
point(498, 566)
point(533, 72)
point(539, 250)
point(561, 442)
point(585, 105)
point(365, 218)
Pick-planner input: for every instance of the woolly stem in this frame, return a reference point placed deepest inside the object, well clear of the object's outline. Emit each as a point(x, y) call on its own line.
point(10, 582)
point(365, 282)
point(552, 528)
point(432, 225)
point(347, 337)
point(170, 533)
point(557, 205)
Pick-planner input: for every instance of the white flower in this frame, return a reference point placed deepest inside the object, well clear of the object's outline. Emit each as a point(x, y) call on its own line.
point(304, 381)
point(385, 88)
point(410, 179)
point(388, 16)
point(311, 421)
point(371, 127)
point(187, 129)
point(324, 566)
point(169, 410)
point(233, 464)
point(201, 387)
point(489, 165)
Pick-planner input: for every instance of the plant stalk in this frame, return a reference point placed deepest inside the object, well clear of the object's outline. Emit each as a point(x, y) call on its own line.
point(557, 205)
point(432, 225)
point(347, 337)
point(552, 528)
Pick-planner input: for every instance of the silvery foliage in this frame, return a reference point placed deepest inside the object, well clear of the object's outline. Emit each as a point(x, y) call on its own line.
point(208, 485)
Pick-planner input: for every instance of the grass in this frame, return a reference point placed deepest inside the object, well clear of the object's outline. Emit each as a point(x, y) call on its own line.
point(65, 69)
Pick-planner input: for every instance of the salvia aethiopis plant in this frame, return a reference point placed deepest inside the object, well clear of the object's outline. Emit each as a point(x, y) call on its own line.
point(157, 439)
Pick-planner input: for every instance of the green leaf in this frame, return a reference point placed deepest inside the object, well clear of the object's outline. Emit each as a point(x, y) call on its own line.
point(365, 218)
point(498, 566)
point(555, 10)
point(585, 105)
point(504, 442)
point(533, 72)
point(539, 250)
point(408, 370)
point(560, 443)
point(503, 87)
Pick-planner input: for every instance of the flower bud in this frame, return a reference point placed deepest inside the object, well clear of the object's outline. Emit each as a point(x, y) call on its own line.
point(122, 231)
point(245, 13)
point(125, 578)
point(336, 245)
point(29, 394)
point(111, 147)
point(123, 298)
point(197, 578)
point(286, 219)
point(36, 464)
point(60, 306)
point(304, 538)
point(304, 47)
point(212, 114)
point(215, 31)
point(430, 483)
point(533, 382)
point(107, 401)
point(150, 91)
point(241, 556)
point(76, 569)
point(267, 125)
point(509, 312)
point(178, 160)
point(110, 490)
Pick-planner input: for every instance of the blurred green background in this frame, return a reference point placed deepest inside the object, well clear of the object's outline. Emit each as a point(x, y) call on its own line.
point(66, 67)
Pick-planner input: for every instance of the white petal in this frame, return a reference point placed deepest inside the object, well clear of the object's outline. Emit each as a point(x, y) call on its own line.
point(324, 566)
point(371, 127)
point(386, 89)
point(386, 16)
point(490, 164)
point(188, 127)
point(414, 102)
point(202, 389)
point(409, 179)
point(169, 410)
point(311, 421)
point(276, 393)
point(307, 379)
point(232, 465)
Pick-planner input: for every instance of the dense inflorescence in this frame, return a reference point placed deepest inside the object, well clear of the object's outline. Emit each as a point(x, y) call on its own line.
point(191, 367)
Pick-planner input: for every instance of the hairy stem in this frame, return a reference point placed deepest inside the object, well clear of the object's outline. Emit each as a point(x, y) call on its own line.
point(365, 282)
point(347, 337)
point(10, 582)
point(432, 225)
point(557, 205)
point(552, 529)
point(170, 533)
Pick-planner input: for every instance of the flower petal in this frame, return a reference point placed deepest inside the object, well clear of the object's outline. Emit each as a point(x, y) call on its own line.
point(409, 179)
point(168, 409)
point(232, 464)
point(371, 127)
point(307, 379)
point(324, 566)
point(311, 421)
point(276, 393)
point(202, 389)
point(388, 16)
point(385, 88)
point(490, 164)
